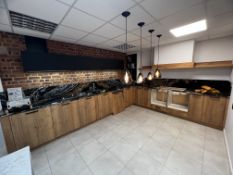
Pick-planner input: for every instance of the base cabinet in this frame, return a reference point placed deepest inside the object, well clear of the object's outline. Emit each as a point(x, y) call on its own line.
point(90, 106)
point(208, 110)
point(104, 105)
point(118, 102)
point(195, 112)
point(214, 111)
point(8, 134)
point(32, 128)
point(142, 96)
point(62, 118)
point(129, 96)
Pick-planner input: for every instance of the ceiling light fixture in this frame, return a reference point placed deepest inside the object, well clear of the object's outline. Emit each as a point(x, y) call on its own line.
point(190, 28)
point(140, 75)
point(149, 75)
point(127, 76)
point(157, 71)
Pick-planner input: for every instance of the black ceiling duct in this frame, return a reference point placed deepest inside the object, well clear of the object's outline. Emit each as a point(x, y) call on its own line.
point(36, 58)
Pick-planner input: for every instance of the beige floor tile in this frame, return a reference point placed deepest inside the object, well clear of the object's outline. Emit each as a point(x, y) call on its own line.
point(184, 166)
point(156, 151)
point(91, 151)
point(124, 151)
point(215, 164)
point(107, 164)
point(68, 164)
point(143, 164)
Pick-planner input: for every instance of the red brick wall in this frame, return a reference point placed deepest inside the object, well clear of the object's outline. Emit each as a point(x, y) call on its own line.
point(12, 74)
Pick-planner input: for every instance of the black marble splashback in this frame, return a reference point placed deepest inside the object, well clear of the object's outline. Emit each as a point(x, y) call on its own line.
point(45, 95)
point(223, 86)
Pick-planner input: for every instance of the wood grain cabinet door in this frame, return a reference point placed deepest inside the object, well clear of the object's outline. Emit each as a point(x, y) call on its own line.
point(104, 106)
point(62, 118)
point(24, 130)
point(45, 125)
point(90, 106)
point(8, 134)
point(195, 111)
point(127, 98)
point(67, 116)
point(30, 128)
point(215, 111)
point(118, 102)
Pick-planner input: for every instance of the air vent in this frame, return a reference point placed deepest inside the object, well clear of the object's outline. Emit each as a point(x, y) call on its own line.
point(124, 46)
point(28, 22)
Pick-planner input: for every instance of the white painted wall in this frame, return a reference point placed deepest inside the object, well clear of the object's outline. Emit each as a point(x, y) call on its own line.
point(220, 49)
point(229, 127)
point(181, 52)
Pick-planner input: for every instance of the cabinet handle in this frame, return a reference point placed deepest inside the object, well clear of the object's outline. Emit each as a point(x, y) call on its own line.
point(30, 112)
point(88, 98)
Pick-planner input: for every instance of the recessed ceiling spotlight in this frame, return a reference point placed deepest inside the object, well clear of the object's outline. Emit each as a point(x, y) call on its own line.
point(190, 28)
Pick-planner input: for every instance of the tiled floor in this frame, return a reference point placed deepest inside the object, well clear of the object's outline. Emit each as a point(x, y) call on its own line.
point(135, 142)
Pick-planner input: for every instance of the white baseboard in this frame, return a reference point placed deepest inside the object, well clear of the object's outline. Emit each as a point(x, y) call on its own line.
point(228, 151)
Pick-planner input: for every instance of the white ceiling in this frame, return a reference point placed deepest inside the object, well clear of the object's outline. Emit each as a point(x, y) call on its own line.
point(99, 23)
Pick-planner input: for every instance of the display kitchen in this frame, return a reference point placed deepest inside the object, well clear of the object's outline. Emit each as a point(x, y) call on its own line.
point(116, 87)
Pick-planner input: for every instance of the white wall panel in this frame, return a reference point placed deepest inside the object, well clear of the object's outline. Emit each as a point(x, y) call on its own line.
point(181, 52)
point(219, 49)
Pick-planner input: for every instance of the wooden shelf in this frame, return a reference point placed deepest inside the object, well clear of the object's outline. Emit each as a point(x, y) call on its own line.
point(192, 65)
point(215, 64)
point(176, 66)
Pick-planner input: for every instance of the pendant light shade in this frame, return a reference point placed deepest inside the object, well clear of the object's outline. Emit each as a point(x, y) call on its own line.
point(157, 73)
point(140, 78)
point(140, 75)
point(149, 75)
point(127, 76)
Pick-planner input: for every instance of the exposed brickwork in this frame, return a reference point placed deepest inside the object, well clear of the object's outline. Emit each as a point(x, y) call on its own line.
point(12, 74)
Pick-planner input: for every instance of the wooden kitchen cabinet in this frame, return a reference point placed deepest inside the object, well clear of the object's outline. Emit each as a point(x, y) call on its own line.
point(62, 118)
point(129, 96)
point(78, 113)
point(91, 112)
point(44, 124)
point(32, 128)
point(214, 111)
point(195, 112)
point(142, 96)
point(117, 102)
point(8, 134)
point(104, 105)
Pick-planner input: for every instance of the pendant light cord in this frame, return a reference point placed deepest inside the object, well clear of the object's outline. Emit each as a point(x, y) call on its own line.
point(141, 47)
point(126, 40)
point(158, 54)
point(151, 50)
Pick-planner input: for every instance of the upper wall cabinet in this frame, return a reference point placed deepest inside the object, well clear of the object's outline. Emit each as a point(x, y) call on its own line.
point(175, 53)
point(219, 49)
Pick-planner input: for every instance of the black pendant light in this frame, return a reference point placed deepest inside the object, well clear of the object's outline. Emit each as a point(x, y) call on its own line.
point(149, 75)
point(140, 75)
point(157, 71)
point(127, 76)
